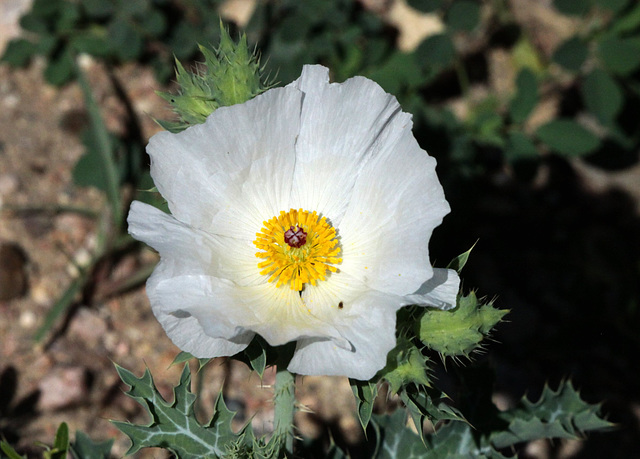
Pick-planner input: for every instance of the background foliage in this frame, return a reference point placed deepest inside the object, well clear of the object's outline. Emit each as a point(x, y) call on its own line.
point(564, 259)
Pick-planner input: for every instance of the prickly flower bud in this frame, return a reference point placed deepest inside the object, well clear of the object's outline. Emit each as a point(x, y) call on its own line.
point(458, 332)
point(229, 75)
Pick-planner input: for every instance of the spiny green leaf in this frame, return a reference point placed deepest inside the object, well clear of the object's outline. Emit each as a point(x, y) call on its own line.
point(406, 365)
point(183, 357)
point(174, 425)
point(425, 403)
point(459, 440)
point(365, 393)
point(396, 441)
point(557, 414)
point(85, 448)
point(460, 330)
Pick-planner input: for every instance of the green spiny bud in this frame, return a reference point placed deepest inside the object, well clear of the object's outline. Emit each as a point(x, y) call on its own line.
point(405, 365)
point(460, 330)
point(229, 75)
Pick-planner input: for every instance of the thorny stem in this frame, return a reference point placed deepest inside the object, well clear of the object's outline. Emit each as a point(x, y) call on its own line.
point(285, 401)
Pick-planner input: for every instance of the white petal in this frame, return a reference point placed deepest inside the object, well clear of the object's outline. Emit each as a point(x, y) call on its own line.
point(234, 171)
point(371, 333)
point(190, 250)
point(397, 201)
point(282, 315)
point(186, 334)
point(186, 250)
point(440, 291)
point(340, 122)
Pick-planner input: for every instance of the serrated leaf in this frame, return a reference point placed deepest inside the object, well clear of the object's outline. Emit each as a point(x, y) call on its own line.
point(556, 414)
point(423, 405)
point(459, 440)
point(174, 425)
point(395, 441)
point(365, 393)
point(567, 137)
point(406, 364)
point(85, 448)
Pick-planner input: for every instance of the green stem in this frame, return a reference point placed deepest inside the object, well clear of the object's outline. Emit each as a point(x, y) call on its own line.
point(285, 401)
point(104, 148)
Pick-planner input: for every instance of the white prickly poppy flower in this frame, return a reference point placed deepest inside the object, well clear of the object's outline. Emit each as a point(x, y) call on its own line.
point(302, 215)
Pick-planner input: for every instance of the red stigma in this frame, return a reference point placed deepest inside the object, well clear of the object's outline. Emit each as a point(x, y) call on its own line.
point(295, 237)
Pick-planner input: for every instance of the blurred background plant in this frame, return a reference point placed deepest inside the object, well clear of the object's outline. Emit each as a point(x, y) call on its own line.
point(531, 108)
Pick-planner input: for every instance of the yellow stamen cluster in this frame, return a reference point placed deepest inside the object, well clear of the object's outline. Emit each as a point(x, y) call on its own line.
point(297, 265)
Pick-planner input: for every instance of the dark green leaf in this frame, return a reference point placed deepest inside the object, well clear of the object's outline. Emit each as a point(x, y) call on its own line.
point(572, 7)
point(256, 352)
point(426, 6)
point(437, 50)
point(567, 137)
point(612, 5)
point(398, 72)
point(365, 393)
point(629, 22)
point(526, 96)
point(61, 441)
point(463, 15)
point(620, 55)
point(571, 54)
point(85, 448)
point(125, 41)
point(602, 95)
point(60, 69)
point(519, 146)
point(19, 52)
point(98, 9)
point(88, 171)
point(458, 262)
point(90, 44)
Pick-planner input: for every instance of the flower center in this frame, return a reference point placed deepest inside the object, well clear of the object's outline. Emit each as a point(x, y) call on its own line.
point(297, 247)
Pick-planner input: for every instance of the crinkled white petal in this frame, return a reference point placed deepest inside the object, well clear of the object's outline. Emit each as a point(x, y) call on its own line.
point(187, 250)
point(234, 171)
point(340, 122)
point(396, 203)
point(282, 315)
point(370, 332)
point(440, 291)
